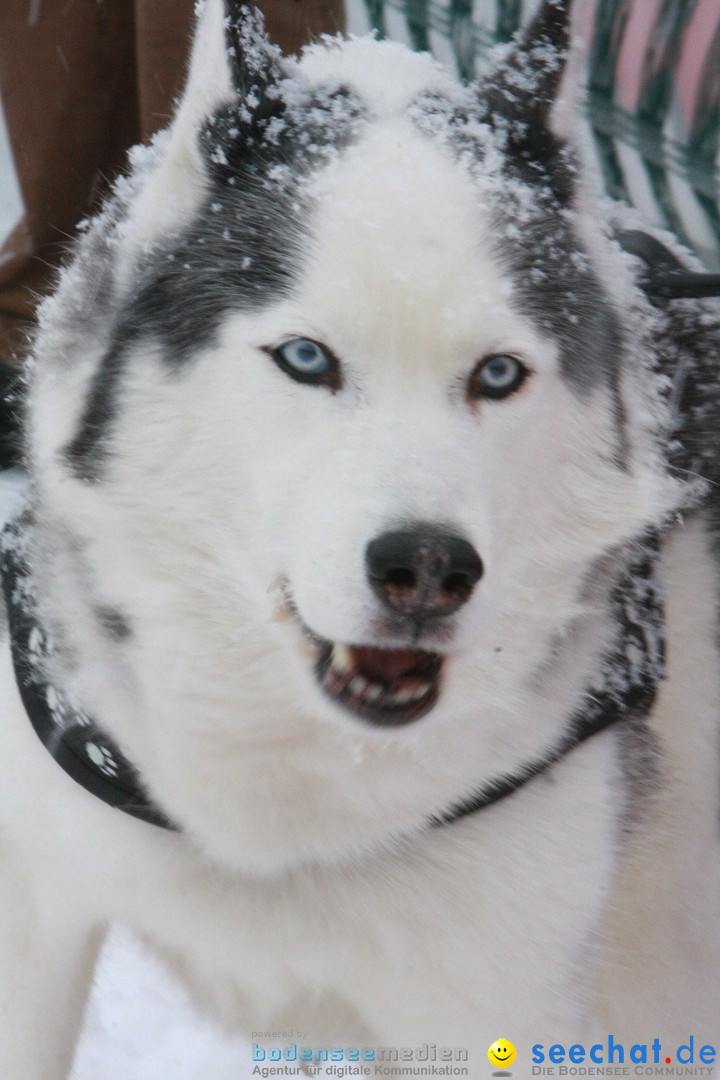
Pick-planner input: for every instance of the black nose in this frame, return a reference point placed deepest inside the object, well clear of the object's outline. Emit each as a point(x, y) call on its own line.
point(423, 571)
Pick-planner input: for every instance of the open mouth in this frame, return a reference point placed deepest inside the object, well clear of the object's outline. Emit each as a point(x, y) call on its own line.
point(384, 686)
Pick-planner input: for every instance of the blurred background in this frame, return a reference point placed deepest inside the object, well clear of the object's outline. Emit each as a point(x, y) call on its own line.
point(83, 80)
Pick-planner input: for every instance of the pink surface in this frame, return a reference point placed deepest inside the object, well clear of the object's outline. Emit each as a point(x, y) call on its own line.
point(701, 30)
point(586, 25)
point(634, 49)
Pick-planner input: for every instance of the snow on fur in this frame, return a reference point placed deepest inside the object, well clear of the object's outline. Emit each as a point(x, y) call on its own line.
point(186, 476)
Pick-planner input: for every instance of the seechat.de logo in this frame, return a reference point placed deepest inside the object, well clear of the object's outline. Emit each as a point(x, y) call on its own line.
point(614, 1053)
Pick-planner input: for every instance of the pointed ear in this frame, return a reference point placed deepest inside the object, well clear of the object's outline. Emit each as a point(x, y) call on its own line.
point(232, 61)
point(255, 67)
point(524, 85)
point(255, 63)
point(233, 69)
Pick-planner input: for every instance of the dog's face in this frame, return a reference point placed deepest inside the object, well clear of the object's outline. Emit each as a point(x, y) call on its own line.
point(352, 420)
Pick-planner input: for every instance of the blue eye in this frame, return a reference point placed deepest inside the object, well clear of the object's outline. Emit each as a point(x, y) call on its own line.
point(308, 361)
point(497, 377)
point(305, 356)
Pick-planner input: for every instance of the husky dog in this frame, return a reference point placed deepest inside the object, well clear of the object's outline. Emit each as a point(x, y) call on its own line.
point(366, 588)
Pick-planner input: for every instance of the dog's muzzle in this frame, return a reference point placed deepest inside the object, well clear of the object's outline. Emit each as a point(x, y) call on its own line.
point(421, 575)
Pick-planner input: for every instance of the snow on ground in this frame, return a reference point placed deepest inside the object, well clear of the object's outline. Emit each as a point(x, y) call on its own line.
point(141, 1025)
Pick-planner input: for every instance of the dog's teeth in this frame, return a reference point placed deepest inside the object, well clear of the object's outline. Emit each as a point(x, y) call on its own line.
point(343, 677)
point(373, 692)
point(341, 659)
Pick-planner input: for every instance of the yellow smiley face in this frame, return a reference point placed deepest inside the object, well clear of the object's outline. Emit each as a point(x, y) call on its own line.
point(501, 1053)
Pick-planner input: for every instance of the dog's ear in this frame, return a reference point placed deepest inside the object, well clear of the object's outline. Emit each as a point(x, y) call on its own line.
point(233, 63)
point(521, 90)
point(234, 131)
point(526, 81)
point(230, 92)
point(255, 63)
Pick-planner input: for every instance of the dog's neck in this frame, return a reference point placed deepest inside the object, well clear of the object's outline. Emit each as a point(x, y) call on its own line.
point(622, 688)
point(626, 682)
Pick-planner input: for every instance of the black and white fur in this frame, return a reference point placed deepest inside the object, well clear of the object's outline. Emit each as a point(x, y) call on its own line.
point(202, 520)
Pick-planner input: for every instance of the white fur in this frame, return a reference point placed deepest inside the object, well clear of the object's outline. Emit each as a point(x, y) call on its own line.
point(305, 888)
point(670, 875)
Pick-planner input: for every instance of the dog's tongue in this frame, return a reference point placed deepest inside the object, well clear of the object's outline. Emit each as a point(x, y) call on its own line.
point(388, 665)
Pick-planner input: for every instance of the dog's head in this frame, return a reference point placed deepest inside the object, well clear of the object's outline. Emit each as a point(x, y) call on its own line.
point(334, 415)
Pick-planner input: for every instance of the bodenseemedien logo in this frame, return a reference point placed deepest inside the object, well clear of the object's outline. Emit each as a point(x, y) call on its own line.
point(350, 1061)
point(693, 1058)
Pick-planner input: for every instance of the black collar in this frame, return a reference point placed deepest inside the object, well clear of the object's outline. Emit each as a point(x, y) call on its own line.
point(627, 681)
point(76, 742)
point(624, 690)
